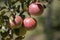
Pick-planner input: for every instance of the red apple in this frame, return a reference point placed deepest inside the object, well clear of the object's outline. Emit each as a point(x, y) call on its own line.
point(29, 23)
point(35, 9)
point(16, 21)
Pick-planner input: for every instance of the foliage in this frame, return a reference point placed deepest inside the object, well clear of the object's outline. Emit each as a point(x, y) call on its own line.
point(8, 12)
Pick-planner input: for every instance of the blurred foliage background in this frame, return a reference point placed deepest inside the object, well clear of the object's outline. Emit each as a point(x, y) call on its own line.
point(48, 24)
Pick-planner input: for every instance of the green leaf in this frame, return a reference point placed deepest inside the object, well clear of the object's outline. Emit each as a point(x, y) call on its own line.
point(8, 38)
point(9, 3)
point(4, 34)
point(22, 3)
point(19, 38)
point(1, 21)
point(20, 31)
point(23, 16)
point(0, 26)
point(15, 1)
point(28, 2)
point(11, 18)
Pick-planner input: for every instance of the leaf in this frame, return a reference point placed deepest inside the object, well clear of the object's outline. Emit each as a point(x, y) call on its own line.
point(5, 17)
point(4, 34)
point(20, 31)
point(1, 21)
point(22, 3)
point(19, 38)
point(5, 1)
point(23, 16)
point(0, 26)
point(18, 9)
point(14, 2)
point(28, 2)
point(8, 38)
point(9, 4)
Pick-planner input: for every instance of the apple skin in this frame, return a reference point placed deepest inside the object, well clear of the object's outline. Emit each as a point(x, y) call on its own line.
point(35, 9)
point(29, 23)
point(16, 21)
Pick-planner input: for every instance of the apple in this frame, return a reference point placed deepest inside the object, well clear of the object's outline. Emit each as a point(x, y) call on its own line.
point(35, 9)
point(29, 23)
point(15, 22)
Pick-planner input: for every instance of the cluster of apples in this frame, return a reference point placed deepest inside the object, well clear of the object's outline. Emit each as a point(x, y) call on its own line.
point(34, 9)
point(19, 25)
point(28, 22)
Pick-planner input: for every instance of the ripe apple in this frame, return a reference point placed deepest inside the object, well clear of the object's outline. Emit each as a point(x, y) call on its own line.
point(35, 9)
point(15, 22)
point(29, 23)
